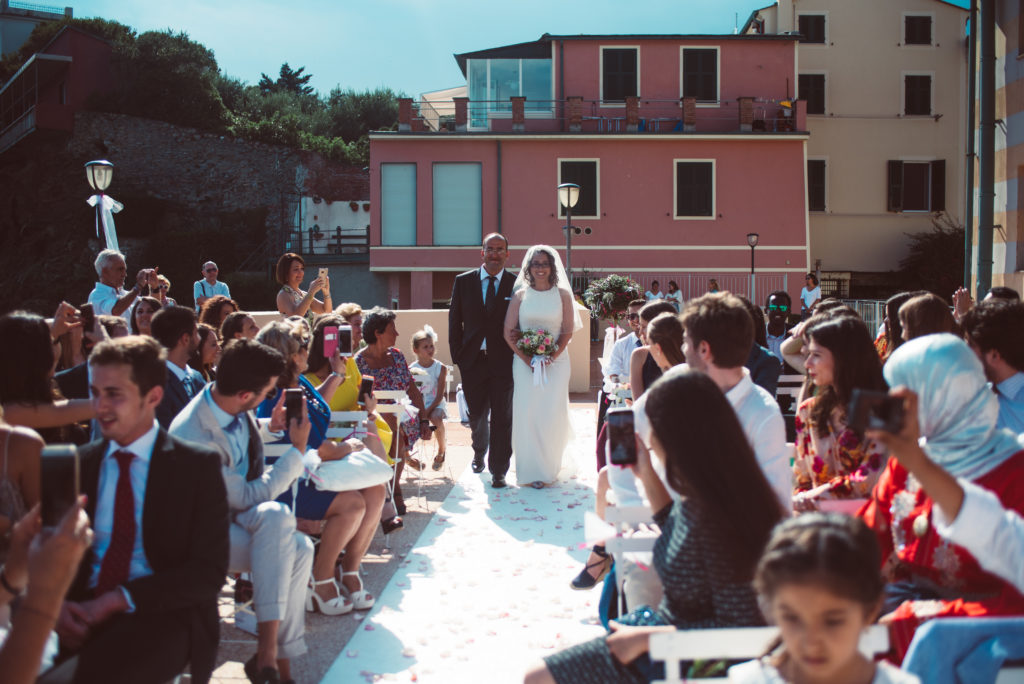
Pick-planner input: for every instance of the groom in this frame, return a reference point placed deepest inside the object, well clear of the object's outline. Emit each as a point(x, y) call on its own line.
point(475, 325)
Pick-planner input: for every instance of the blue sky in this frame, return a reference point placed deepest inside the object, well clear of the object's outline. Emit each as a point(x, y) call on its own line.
point(406, 45)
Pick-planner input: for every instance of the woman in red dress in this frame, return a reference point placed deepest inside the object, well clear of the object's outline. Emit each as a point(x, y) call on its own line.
point(956, 417)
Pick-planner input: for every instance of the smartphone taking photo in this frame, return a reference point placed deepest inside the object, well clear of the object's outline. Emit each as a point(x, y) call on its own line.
point(365, 389)
point(293, 405)
point(872, 410)
point(60, 471)
point(345, 339)
point(88, 316)
point(621, 437)
point(330, 340)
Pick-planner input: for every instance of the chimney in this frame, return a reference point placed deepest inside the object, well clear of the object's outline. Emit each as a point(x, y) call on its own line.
point(405, 114)
point(574, 105)
point(746, 113)
point(460, 113)
point(518, 113)
point(689, 114)
point(632, 113)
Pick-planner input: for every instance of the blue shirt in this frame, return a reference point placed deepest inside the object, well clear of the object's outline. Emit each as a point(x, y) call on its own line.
point(1011, 403)
point(316, 406)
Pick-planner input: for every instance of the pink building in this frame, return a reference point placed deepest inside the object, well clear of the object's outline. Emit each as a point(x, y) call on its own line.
point(682, 145)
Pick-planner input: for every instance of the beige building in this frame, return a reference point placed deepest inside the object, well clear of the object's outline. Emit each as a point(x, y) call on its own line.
point(885, 85)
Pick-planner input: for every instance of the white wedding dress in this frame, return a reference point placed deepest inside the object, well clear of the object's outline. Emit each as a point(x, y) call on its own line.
point(540, 413)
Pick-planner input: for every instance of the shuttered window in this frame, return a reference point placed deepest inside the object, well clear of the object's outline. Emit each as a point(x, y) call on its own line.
point(917, 186)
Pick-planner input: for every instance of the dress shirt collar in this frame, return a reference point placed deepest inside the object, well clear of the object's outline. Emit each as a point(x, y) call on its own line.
point(180, 373)
point(102, 287)
point(223, 418)
point(741, 390)
point(142, 447)
point(484, 275)
point(1012, 386)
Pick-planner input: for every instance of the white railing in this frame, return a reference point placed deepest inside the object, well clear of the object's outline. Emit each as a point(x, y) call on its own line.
point(871, 310)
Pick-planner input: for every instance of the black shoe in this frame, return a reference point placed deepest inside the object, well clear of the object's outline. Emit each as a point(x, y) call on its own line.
point(498, 481)
point(392, 524)
point(478, 464)
point(243, 591)
point(585, 580)
point(267, 675)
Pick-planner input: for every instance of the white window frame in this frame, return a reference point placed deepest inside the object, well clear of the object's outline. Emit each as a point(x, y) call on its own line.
point(529, 114)
point(828, 23)
point(903, 30)
point(903, 94)
point(823, 158)
point(827, 89)
point(718, 74)
point(927, 161)
point(597, 175)
point(714, 190)
point(600, 74)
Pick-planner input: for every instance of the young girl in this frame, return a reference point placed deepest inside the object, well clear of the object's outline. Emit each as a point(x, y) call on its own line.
point(433, 374)
point(819, 581)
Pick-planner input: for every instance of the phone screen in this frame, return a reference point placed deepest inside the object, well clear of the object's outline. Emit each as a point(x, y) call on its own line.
point(88, 317)
point(330, 340)
point(345, 339)
point(60, 482)
point(365, 388)
point(872, 410)
point(293, 404)
point(621, 439)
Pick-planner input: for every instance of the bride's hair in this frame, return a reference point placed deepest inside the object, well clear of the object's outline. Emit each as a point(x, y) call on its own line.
point(552, 258)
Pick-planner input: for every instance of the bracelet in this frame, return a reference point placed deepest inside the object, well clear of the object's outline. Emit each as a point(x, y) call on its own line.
point(335, 374)
point(24, 607)
point(6, 584)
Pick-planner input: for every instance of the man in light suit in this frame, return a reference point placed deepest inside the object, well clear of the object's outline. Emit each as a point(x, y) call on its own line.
point(175, 328)
point(476, 340)
point(144, 603)
point(264, 540)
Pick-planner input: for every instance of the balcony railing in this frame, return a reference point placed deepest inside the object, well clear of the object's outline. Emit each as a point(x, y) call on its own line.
point(349, 245)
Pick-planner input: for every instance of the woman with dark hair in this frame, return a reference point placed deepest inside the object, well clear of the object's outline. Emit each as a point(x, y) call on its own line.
point(204, 358)
point(891, 335)
point(926, 314)
point(386, 363)
point(643, 368)
point(810, 294)
point(833, 461)
point(20, 450)
point(665, 340)
point(216, 309)
point(764, 366)
point(675, 295)
point(292, 300)
point(710, 540)
point(142, 314)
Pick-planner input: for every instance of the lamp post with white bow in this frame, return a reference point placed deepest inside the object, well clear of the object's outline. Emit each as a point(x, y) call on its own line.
point(99, 174)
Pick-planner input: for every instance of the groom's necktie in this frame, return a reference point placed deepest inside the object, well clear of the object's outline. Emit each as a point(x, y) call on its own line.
point(492, 295)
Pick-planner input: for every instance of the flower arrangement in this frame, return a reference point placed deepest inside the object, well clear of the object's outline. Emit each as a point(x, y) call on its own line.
point(537, 343)
point(610, 297)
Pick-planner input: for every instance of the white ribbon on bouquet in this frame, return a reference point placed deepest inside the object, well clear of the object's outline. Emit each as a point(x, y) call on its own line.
point(106, 207)
point(540, 370)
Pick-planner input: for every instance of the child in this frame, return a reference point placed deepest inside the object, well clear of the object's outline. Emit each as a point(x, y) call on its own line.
point(433, 375)
point(818, 580)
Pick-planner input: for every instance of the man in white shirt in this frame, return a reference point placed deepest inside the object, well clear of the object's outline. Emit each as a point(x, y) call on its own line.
point(109, 296)
point(995, 331)
point(209, 286)
point(175, 328)
point(617, 369)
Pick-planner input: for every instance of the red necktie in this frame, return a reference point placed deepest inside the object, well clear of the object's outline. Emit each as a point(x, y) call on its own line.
point(118, 558)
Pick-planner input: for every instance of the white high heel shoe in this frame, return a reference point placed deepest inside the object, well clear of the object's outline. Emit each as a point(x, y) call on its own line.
point(339, 605)
point(361, 598)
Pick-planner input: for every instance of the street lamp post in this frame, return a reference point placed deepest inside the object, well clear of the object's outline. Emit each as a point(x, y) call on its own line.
point(99, 174)
point(568, 196)
point(752, 239)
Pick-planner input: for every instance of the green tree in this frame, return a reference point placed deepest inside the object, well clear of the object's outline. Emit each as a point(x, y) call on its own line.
point(288, 80)
point(354, 114)
point(936, 258)
point(111, 31)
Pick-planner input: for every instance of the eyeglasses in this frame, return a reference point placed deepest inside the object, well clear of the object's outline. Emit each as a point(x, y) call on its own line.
point(634, 317)
point(210, 270)
point(163, 287)
point(540, 264)
point(778, 307)
point(494, 250)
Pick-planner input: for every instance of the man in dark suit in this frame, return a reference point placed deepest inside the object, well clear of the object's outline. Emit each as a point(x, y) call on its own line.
point(144, 603)
point(175, 328)
point(476, 339)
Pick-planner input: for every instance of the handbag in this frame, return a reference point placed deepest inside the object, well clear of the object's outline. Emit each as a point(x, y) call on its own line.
point(357, 470)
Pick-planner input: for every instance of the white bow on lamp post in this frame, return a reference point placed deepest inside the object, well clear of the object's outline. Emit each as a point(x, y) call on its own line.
point(99, 174)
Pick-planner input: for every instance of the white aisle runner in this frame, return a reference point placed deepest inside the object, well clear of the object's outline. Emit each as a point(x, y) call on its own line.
point(484, 592)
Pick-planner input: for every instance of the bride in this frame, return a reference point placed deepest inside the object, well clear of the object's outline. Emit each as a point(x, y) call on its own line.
point(540, 410)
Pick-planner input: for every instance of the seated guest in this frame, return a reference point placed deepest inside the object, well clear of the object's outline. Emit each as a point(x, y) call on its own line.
point(209, 287)
point(292, 300)
point(204, 358)
point(115, 326)
point(710, 539)
point(891, 334)
point(764, 368)
point(956, 417)
point(353, 315)
point(962, 301)
point(175, 328)
point(995, 332)
point(926, 314)
point(833, 461)
point(216, 309)
point(109, 296)
point(778, 306)
point(238, 325)
point(617, 370)
point(643, 369)
point(19, 476)
point(264, 540)
point(142, 314)
point(162, 288)
point(350, 517)
point(144, 604)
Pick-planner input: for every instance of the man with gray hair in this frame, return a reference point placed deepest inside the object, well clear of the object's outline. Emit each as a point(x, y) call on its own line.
point(109, 296)
point(209, 286)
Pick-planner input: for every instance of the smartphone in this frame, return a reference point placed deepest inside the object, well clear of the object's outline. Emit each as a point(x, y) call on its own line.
point(323, 272)
point(88, 315)
point(60, 472)
point(330, 340)
point(293, 404)
point(345, 339)
point(365, 389)
point(621, 438)
point(871, 410)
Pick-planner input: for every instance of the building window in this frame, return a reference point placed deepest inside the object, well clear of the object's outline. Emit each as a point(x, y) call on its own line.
point(917, 185)
point(695, 189)
point(397, 204)
point(812, 28)
point(586, 174)
point(812, 89)
point(620, 69)
point(458, 211)
point(700, 74)
point(493, 81)
point(816, 185)
point(917, 29)
point(917, 95)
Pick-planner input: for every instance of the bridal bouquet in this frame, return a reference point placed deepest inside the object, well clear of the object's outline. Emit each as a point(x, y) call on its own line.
point(538, 344)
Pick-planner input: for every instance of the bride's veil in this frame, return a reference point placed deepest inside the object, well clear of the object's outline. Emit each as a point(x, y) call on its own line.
point(563, 278)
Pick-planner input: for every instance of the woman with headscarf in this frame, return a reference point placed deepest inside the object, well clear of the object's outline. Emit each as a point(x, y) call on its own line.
point(955, 424)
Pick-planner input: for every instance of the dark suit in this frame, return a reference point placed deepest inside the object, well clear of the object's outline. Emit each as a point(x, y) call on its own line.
point(175, 397)
point(185, 538)
point(486, 377)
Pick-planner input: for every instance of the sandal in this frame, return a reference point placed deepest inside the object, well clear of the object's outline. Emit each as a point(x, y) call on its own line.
point(339, 605)
point(585, 580)
point(361, 598)
point(415, 463)
point(391, 524)
point(438, 462)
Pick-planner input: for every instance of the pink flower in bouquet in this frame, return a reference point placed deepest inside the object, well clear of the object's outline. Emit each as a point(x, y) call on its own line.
point(548, 340)
point(541, 349)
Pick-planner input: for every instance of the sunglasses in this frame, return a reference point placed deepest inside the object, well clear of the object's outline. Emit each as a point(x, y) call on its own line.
point(778, 307)
point(162, 287)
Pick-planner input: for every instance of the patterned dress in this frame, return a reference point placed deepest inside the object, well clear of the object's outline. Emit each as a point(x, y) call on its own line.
point(297, 296)
point(849, 463)
point(700, 593)
point(397, 376)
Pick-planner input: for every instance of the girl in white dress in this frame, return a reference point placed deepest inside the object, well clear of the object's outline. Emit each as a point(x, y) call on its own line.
point(540, 398)
point(431, 377)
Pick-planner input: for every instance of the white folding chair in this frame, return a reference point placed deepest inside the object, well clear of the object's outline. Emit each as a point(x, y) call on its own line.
point(390, 402)
point(634, 534)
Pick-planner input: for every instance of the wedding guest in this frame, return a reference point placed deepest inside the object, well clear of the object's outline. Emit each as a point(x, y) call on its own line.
point(956, 417)
point(710, 539)
point(175, 328)
point(926, 314)
point(833, 461)
point(292, 300)
point(810, 295)
point(675, 295)
point(778, 306)
point(238, 325)
point(763, 365)
point(617, 369)
point(115, 326)
point(109, 296)
point(142, 315)
point(204, 358)
point(435, 374)
point(216, 309)
point(353, 315)
point(209, 286)
point(655, 292)
point(995, 332)
point(891, 335)
point(643, 369)
point(962, 301)
point(712, 286)
point(162, 288)
point(19, 476)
